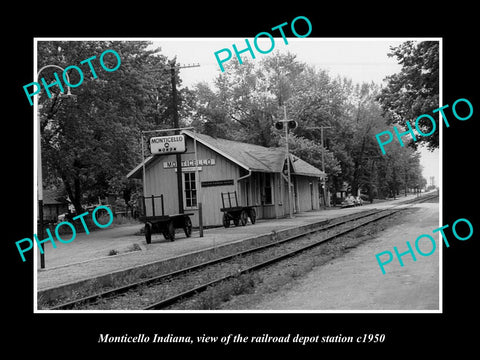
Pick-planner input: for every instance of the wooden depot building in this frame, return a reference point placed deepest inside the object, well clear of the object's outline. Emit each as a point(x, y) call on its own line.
point(256, 173)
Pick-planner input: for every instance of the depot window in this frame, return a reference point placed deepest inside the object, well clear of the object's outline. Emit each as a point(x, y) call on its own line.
point(190, 189)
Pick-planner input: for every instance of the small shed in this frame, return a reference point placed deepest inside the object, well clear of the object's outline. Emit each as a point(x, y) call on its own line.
point(54, 204)
point(256, 173)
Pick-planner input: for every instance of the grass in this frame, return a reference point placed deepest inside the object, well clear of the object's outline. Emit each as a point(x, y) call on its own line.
point(132, 247)
point(243, 285)
point(214, 296)
point(285, 274)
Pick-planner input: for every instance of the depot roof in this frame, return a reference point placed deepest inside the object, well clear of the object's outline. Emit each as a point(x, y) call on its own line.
point(251, 157)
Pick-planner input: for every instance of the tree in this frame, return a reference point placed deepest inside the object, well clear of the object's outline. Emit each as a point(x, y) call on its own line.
point(415, 89)
point(364, 118)
point(90, 142)
point(247, 100)
point(311, 152)
point(318, 102)
point(210, 117)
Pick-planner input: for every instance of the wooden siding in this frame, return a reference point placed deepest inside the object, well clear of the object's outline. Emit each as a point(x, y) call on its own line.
point(307, 193)
point(162, 180)
point(250, 189)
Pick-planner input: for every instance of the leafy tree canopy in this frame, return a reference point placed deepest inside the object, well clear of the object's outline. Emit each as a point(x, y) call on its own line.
point(246, 101)
point(415, 89)
point(91, 140)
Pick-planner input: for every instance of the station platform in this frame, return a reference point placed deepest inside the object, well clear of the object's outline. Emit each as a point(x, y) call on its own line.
point(124, 247)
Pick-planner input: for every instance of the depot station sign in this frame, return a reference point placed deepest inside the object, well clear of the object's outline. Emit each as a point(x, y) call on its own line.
point(189, 165)
point(168, 144)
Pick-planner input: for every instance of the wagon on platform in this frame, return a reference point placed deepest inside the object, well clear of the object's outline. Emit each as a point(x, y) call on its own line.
point(164, 224)
point(234, 212)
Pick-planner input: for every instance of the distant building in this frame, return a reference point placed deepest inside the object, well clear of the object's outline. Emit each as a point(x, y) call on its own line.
point(256, 173)
point(54, 204)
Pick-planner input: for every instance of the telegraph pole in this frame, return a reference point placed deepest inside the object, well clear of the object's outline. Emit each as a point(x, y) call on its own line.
point(287, 156)
point(178, 159)
point(287, 124)
point(323, 166)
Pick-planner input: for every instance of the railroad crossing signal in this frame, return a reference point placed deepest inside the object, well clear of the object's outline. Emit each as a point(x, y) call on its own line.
point(291, 124)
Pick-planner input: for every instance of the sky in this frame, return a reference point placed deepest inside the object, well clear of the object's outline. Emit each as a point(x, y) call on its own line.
point(361, 60)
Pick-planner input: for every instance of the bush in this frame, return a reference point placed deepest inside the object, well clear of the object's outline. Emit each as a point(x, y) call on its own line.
point(215, 295)
point(134, 247)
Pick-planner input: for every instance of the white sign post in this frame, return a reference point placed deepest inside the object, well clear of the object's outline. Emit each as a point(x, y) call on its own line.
point(174, 144)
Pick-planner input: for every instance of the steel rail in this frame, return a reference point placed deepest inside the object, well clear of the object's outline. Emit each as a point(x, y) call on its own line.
point(176, 298)
point(122, 289)
point(325, 225)
point(171, 300)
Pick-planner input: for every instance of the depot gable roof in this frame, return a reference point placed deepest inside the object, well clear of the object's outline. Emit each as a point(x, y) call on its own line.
point(248, 156)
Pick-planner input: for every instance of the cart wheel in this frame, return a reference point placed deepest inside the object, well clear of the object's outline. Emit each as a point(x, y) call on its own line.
point(188, 227)
point(253, 216)
point(166, 234)
point(243, 218)
point(171, 230)
point(226, 221)
point(148, 233)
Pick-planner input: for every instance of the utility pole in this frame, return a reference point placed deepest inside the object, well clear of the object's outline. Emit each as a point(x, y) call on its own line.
point(40, 222)
point(287, 156)
point(324, 183)
point(178, 159)
point(173, 67)
point(287, 124)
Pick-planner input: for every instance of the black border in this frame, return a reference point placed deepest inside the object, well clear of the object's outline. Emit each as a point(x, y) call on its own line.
point(408, 333)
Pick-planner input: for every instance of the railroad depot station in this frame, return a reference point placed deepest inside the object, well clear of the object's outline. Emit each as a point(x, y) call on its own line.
point(255, 173)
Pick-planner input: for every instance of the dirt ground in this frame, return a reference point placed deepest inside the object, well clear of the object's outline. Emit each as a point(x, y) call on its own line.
point(354, 281)
point(121, 246)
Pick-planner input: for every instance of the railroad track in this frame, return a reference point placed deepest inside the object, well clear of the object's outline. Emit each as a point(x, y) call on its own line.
point(165, 290)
